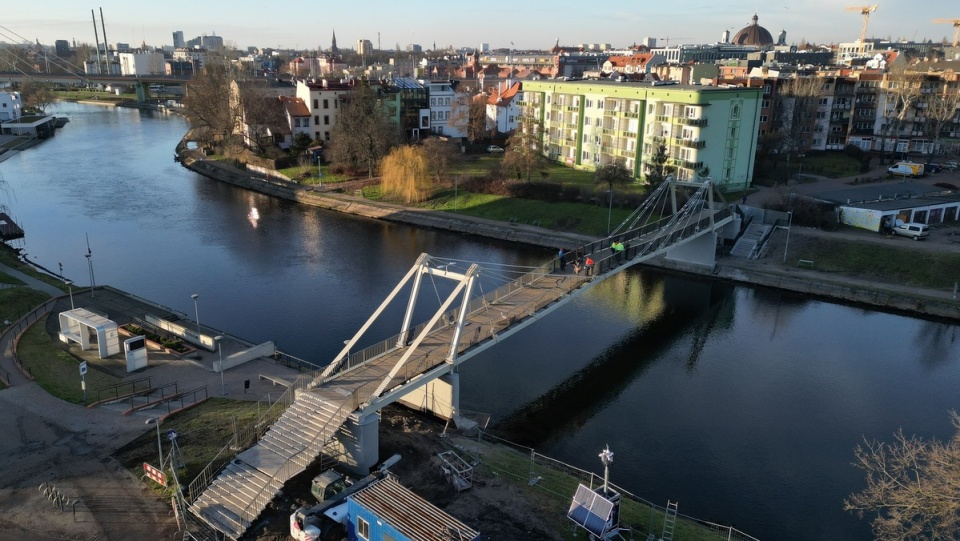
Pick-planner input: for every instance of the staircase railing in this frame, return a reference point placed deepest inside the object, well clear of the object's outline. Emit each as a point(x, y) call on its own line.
point(296, 462)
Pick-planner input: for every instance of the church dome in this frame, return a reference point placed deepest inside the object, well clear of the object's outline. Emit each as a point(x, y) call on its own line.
point(753, 34)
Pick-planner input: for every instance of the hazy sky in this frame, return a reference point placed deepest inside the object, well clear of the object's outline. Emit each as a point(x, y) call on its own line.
point(528, 24)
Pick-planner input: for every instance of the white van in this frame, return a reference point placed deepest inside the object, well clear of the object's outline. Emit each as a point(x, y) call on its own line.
point(912, 230)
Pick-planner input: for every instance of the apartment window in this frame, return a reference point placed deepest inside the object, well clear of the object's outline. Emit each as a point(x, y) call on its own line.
point(316, 135)
point(334, 104)
point(687, 133)
point(586, 156)
point(446, 101)
point(433, 101)
point(316, 120)
point(766, 90)
point(691, 112)
point(510, 119)
point(326, 120)
point(326, 136)
point(316, 104)
point(763, 118)
point(363, 528)
point(326, 104)
point(824, 101)
point(446, 115)
point(765, 104)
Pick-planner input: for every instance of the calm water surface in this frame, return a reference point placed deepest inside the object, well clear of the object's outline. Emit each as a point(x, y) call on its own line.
point(742, 404)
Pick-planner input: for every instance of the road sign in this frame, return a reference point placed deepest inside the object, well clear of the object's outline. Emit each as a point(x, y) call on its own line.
point(154, 474)
point(171, 434)
point(83, 368)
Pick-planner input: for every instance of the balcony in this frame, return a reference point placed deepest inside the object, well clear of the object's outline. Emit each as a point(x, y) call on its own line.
point(662, 118)
point(573, 108)
point(686, 164)
point(866, 90)
point(689, 143)
point(700, 122)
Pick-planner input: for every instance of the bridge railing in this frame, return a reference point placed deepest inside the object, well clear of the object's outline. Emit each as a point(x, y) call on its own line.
point(297, 462)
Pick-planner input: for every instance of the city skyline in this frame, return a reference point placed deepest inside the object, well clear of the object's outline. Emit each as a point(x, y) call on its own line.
point(531, 25)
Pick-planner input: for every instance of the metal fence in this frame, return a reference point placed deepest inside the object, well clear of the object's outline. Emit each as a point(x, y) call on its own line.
point(18, 327)
point(561, 479)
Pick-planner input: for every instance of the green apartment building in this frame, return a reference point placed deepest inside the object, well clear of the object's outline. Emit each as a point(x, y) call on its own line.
point(587, 124)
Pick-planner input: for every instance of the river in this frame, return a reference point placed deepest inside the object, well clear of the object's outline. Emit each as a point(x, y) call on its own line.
point(742, 404)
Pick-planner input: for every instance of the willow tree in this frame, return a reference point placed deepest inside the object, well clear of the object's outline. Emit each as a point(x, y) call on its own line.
point(405, 174)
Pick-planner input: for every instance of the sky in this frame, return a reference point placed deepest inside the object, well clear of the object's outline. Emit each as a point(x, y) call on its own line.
point(527, 24)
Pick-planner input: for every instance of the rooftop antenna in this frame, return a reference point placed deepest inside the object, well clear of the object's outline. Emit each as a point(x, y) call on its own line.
point(89, 256)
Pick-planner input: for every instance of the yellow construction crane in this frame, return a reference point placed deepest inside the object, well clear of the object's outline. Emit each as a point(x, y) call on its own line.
point(865, 11)
point(956, 28)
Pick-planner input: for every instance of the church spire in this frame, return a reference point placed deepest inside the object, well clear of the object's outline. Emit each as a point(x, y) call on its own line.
point(333, 43)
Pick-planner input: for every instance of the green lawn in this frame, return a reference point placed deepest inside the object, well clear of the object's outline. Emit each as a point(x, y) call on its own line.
point(580, 218)
point(202, 431)
point(896, 263)
point(308, 175)
point(90, 95)
point(56, 371)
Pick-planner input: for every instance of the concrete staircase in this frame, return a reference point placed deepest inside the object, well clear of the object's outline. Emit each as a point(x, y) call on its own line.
point(747, 245)
point(249, 482)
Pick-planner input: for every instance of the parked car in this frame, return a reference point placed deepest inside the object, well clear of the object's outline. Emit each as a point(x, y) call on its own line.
point(932, 167)
point(913, 230)
point(907, 169)
point(950, 165)
point(494, 149)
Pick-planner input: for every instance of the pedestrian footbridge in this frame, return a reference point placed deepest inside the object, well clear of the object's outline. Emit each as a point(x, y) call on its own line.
point(333, 412)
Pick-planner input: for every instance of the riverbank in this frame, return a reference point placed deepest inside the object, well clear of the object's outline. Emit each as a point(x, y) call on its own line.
point(767, 271)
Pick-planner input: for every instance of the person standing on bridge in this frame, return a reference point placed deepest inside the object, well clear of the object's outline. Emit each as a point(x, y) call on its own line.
point(589, 265)
point(561, 255)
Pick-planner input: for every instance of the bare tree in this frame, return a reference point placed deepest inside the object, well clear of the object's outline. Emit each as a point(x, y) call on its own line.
point(470, 116)
point(901, 90)
point(440, 156)
point(794, 109)
point(36, 95)
point(941, 108)
point(913, 487)
point(405, 175)
point(364, 133)
point(525, 147)
point(207, 102)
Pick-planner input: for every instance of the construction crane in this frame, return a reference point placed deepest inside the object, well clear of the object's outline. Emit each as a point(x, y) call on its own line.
point(956, 28)
point(668, 38)
point(865, 11)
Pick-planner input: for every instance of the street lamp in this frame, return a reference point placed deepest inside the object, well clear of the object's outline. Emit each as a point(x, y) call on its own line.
point(223, 387)
point(196, 309)
point(156, 420)
point(787, 243)
point(609, 210)
point(70, 289)
point(800, 170)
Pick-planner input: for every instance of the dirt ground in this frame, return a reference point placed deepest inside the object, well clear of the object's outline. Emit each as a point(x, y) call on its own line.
point(500, 511)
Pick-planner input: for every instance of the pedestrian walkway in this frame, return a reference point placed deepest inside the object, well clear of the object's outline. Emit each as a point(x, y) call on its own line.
point(31, 282)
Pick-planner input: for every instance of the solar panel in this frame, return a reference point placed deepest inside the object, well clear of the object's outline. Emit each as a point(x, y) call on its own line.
point(591, 511)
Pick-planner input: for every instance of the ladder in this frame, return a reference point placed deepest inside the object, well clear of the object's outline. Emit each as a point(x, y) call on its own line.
point(669, 521)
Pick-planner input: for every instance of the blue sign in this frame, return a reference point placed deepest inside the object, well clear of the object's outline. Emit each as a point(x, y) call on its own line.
point(172, 434)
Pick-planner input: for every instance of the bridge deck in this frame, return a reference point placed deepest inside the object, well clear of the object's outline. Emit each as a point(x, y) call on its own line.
point(480, 325)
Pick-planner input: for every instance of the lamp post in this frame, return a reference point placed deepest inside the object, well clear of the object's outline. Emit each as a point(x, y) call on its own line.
point(156, 420)
point(786, 245)
point(347, 358)
point(609, 210)
point(196, 310)
point(800, 169)
point(223, 387)
point(70, 289)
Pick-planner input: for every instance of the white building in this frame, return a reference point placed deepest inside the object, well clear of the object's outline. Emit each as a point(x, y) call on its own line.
point(502, 108)
point(11, 106)
point(322, 98)
point(444, 106)
point(197, 57)
point(141, 63)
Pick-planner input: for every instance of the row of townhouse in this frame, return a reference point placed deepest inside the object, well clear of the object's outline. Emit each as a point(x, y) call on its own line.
point(588, 124)
point(913, 111)
point(312, 107)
